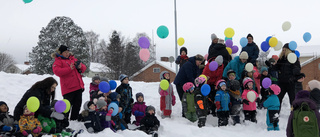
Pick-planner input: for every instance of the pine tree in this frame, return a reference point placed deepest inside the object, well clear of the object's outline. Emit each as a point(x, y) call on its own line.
point(115, 55)
point(132, 61)
point(59, 31)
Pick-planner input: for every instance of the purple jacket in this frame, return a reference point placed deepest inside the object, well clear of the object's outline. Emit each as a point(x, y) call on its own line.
point(93, 87)
point(296, 104)
point(141, 107)
point(103, 122)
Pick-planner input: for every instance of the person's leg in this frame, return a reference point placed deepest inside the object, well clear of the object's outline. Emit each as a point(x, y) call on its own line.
point(253, 116)
point(77, 101)
point(291, 92)
point(127, 118)
point(283, 92)
point(70, 98)
point(180, 93)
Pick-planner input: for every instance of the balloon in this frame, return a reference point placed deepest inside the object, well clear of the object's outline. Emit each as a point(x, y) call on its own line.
point(229, 43)
point(33, 104)
point(60, 106)
point(293, 45)
point(265, 46)
point(104, 87)
point(306, 37)
point(113, 84)
point(229, 32)
point(249, 67)
point(278, 46)
point(266, 82)
point(180, 41)
point(163, 32)
point(205, 89)
point(144, 54)
point(251, 96)
point(229, 50)
point(164, 84)
point(273, 42)
point(27, 1)
point(115, 108)
point(144, 42)
point(297, 53)
point(292, 58)
point(206, 56)
point(243, 41)
point(204, 76)
point(68, 105)
point(213, 65)
point(226, 38)
point(171, 59)
point(286, 26)
point(234, 49)
point(268, 38)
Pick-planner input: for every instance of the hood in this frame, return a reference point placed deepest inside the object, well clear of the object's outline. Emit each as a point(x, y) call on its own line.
point(297, 102)
point(162, 73)
point(219, 46)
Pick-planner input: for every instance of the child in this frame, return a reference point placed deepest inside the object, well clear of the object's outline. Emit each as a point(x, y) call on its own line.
point(201, 102)
point(314, 88)
point(126, 100)
point(183, 58)
point(188, 105)
point(235, 99)
point(167, 99)
point(249, 108)
point(150, 122)
point(120, 124)
point(7, 123)
point(272, 70)
point(273, 106)
point(29, 124)
point(264, 93)
point(95, 93)
point(139, 108)
point(222, 101)
point(102, 110)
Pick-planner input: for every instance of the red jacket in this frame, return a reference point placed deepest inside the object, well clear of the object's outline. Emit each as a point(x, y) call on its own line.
point(213, 76)
point(70, 79)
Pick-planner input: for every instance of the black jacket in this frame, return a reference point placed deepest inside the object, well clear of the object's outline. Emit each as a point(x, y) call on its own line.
point(219, 49)
point(315, 96)
point(253, 52)
point(198, 99)
point(287, 71)
point(92, 120)
point(126, 97)
point(188, 72)
point(149, 122)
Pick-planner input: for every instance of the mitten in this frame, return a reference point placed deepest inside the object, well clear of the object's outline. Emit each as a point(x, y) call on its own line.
point(173, 100)
point(24, 133)
point(37, 130)
point(218, 105)
point(163, 93)
point(245, 101)
point(6, 128)
point(57, 115)
point(138, 113)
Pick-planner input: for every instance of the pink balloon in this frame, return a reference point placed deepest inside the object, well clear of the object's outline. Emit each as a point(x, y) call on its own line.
point(229, 43)
point(144, 54)
point(206, 56)
point(266, 82)
point(234, 49)
point(213, 65)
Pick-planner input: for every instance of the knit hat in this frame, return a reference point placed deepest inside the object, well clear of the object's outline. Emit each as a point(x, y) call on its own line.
point(314, 84)
point(183, 49)
point(104, 79)
point(63, 48)
point(95, 78)
point(303, 94)
point(219, 60)
point(213, 36)
point(122, 77)
point(286, 46)
point(263, 69)
point(101, 103)
point(275, 57)
point(89, 103)
point(150, 108)
point(199, 57)
point(114, 96)
point(243, 55)
point(234, 85)
point(138, 95)
point(249, 35)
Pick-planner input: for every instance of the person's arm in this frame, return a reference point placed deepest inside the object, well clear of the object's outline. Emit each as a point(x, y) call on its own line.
point(255, 54)
point(189, 73)
point(59, 70)
point(178, 60)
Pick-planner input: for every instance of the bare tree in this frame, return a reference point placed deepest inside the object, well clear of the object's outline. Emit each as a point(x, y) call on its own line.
point(92, 42)
point(6, 61)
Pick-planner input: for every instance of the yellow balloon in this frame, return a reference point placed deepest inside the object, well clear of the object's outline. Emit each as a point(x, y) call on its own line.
point(68, 105)
point(229, 32)
point(204, 76)
point(273, 42)
point(229, 50)
point(180, 41)
point(33, 104)
point(164, 84)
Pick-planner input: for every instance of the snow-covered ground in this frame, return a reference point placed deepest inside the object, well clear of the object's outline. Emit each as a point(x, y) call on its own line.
point(13, 86)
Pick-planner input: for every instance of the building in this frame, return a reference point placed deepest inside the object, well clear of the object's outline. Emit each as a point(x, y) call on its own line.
point(19, 68)
point(311, 69)
point(97, 69)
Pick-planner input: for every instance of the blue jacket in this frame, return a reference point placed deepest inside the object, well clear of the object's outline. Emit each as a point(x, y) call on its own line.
point(187, 73)
point(235, 65)
point(253, 52)
point(272, 103)
point(224, 98)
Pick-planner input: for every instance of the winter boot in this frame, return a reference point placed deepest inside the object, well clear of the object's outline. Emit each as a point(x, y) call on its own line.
point(236, 120)
point(154, 134)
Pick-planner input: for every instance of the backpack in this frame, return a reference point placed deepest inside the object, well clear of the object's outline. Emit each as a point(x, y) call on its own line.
point(305, 122)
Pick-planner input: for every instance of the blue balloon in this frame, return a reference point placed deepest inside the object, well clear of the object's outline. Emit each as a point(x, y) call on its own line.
point(115, 108)
point(113, 84)
point(104, 87)
point(243, 41)
point(205, 89)
point(293, 45)
point(306, 37)
point(268, 38)
point(265, 46)
point(297, 53)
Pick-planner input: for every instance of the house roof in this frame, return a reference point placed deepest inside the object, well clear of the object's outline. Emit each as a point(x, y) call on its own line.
point(23, 67)
point(309, 60)
point(166, 65)
point(98, 67)
point(310, 50)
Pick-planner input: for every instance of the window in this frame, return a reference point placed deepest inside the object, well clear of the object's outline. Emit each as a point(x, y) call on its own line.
point(156, 70)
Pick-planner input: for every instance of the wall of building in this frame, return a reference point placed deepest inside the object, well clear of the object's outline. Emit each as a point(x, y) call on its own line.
point(149, 76)
point(311, 70)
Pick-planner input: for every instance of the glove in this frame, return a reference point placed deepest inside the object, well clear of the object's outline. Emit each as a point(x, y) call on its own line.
point(258, 100)
point(138, 113)
point(173, 100)
point(245, 101)
point(110, 112)
point(163, 93)
point(24, 133)
point(57, 115)
point(37, 130)
point(218, 105)
point(6, 128)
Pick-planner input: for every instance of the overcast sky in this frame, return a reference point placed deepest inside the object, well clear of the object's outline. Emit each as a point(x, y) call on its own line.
point(21, 23)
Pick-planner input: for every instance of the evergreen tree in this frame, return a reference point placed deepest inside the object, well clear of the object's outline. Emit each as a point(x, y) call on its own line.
point(115, 55)
point(92, 42)
point(59, 31)
point(132, 61)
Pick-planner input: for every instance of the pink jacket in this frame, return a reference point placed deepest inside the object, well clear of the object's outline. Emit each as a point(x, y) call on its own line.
point(257, 78)
point(252, 105)
point(70, 79)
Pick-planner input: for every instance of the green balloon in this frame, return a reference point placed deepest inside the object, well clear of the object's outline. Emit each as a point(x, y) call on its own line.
point(33, 104)
point(164, 84)
point(27, 1)
point(163, 32)
point(68, 105)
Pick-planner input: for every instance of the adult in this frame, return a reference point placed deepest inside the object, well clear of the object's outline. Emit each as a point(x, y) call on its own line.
point(237, 65)
point(252, 49)
point(217, 48)
point(183, 58)
point(287, 74)
point(69, 69)
point(43, 90)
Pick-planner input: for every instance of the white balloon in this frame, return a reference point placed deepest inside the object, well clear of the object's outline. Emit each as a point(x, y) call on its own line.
point(249, 67)
point(292, 58)
point(286, 26)
point(251, 96)
point(279, 46)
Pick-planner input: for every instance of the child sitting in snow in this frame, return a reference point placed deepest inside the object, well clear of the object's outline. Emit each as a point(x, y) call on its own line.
point(102, 109)
point(201, 102)
point(222, 101)
point(120, 124)
point(188, 106)
point(8, 125)
point(167, 99)
point(249, 108)
point(150, 122)
point(95, 93)
point(273, 105)
point(29, 124)
point(139, 108)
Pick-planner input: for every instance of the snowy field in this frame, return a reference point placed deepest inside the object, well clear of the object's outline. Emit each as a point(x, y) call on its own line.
point(13, 86)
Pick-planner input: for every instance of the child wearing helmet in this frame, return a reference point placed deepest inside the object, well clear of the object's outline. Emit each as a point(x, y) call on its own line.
point(273, 105)
point(201, 101)
point(188, 106)
point(249, 107)
point(167, 99)
point(222, 101)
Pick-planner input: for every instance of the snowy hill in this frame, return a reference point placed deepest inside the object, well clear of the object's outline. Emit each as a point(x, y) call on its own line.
point(13, 86)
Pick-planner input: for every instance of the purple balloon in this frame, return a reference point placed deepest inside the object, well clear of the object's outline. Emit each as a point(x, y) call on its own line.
point(234, 49)
point(144, 42)
point(60, 106)
point(266, 82)
point(229, 43)
point(213, 65)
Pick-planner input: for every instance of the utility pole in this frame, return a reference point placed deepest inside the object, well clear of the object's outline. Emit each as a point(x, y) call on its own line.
point(175, 38)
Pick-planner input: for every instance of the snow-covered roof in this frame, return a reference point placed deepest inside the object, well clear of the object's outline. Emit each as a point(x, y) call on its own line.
point(309, 60)
point(23, 67)
point(308, 51)
point(98, 67)
point(166, 65)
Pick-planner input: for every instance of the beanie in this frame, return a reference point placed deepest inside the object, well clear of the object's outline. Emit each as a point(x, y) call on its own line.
point(314, 84)
point(101, 103)
point(249, 35)
point(219, 60)
point(150, 108)
point(183, 49)
point(138, 95)
point(63, 48)
point(122, 77)
point(2, 102)
point(213, 36)
point(303, 94)
point(275, 57)
point(243, 55)
point(263, 69)
point(114, 96)
point(287, 47)
point(89, 104)
point(95, 78)
point(104, 79)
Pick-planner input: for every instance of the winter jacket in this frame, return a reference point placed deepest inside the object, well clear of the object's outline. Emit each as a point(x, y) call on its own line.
point(7, 120)
point(272, 103)
point(138, 110)
point(92, 120)
point(315, 96)
point(235, 65)
point(70, 79)
point(103, 122)
point(224, 98)
point(257, 79)
point(126, 97)
point(213, 76)
point(120, 124)
point(94, 87)
point(181, 61)
point(264, 92)
point(287, 71)
point(47, 123)
point(273, 74)
point(28, 124)
point(44, 99)
point(150, 122)
point(201, 102)
point(168, 100)
point(219, 49)
point(253, 52)
point(187, 73)
point(296, 105)
point(61, 124)
point(188, 105)
point(252, 105)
